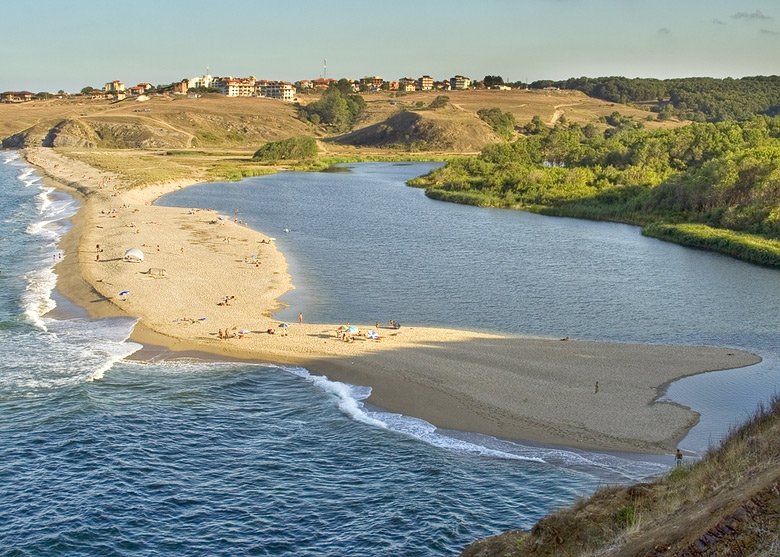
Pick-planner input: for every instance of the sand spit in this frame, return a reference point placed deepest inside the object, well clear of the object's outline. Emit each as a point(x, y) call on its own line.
point(202, 274)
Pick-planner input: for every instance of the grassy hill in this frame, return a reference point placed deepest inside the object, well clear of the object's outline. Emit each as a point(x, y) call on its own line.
point(244, 124)
point(161, 122)
point(726, 504)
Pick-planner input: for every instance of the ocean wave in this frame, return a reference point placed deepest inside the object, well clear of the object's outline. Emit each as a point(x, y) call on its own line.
point(63, 353)
point(350, 401)
point(28, 177)
point(349, 397)
point(10, 157)
point(36, 300)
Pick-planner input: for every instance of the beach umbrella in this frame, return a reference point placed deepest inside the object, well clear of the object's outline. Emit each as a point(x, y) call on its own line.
point(134, 255)
point(123, 294)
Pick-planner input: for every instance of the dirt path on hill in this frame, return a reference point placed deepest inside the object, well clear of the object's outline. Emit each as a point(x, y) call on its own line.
point(558, 112)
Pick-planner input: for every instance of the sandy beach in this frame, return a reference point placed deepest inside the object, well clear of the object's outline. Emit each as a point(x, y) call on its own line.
point(203, 273)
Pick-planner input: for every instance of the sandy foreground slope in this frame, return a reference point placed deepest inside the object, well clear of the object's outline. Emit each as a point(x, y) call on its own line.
point(535, 389)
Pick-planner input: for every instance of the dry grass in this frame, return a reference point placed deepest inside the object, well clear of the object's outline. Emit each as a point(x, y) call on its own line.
point(216, 122)
point(676, 511)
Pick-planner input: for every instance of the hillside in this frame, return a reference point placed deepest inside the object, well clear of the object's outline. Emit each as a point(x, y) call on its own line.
point(159, 123)
point(726, 504)
point(446, 129)
point(390, 121)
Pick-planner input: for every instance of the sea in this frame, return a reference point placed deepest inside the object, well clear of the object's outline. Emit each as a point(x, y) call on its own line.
point(103, 454)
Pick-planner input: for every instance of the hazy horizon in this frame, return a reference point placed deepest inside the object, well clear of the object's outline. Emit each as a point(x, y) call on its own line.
point(51, 45)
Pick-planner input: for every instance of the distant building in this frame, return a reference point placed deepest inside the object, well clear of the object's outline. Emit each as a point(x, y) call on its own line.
point(407, 84)
point(304, 84)
point(205, 81)
point(139, 89)
point(372, 83)
point(16, 96)
point(275, 90)
point(425, 83)
point(460, 82)
point(442, 85)
point(393, 85)
point(236, 86)
point(114, 87)
point(323, 82)
point(181, 87)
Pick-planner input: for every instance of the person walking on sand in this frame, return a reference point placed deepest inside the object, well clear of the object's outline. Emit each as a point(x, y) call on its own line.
point(300, 318)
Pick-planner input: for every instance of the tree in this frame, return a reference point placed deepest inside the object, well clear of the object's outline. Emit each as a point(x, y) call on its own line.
point(87, 90)
point(338, 108)
point(491, 81)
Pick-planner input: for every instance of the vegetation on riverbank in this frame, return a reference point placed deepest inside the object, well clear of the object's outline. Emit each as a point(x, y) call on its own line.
point(295, 148)
point(724, 176)
point(728, 503)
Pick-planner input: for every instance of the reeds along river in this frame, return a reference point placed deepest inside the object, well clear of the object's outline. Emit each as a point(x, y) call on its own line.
point(104, 456)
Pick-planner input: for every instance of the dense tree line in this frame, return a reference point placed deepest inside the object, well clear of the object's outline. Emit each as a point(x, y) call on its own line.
point(695, 98)
point(724, 175)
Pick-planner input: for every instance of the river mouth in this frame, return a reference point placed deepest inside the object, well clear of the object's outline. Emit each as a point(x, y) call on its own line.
point(362, 246)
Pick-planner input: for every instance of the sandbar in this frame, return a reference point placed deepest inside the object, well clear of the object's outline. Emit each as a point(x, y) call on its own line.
point(203, 272)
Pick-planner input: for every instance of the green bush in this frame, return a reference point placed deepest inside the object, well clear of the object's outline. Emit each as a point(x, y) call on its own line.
point(295, 148)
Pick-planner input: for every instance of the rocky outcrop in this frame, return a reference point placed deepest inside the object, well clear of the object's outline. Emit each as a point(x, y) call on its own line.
point(70, 133)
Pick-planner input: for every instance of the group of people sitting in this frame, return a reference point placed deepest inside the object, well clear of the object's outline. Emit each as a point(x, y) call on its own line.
point(348, 334)
point(228, 333)
point(226, 300)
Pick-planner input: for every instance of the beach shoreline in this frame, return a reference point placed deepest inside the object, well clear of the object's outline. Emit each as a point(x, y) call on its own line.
point(203, 273)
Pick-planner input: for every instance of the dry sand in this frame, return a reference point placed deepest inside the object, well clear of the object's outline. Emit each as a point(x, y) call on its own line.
point(535, 389)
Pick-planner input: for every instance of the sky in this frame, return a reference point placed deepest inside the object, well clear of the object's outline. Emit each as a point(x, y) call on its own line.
point(52, 45)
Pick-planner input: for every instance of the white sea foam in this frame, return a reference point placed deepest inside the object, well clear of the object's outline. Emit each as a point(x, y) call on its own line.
point(349, 397)
point(350, 401)
point(10, 157)
point(36, 299)
point(58, 352)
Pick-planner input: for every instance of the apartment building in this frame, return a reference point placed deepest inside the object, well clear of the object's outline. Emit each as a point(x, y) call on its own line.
point(460, 82)
point(236, 86)
point(115, 86)
point(16, 96)
point(275, 90)
point(407, 84)
point(425, 83)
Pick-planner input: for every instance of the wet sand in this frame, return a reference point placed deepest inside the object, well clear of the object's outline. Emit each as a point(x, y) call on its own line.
point(510, 386)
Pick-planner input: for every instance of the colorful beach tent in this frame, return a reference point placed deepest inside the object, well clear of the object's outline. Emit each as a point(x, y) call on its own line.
point(134, 255)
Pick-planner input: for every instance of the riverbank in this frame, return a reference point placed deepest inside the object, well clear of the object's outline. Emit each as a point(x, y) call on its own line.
point(509, 386)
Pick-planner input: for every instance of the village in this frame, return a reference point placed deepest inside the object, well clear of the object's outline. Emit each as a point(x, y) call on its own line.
point(251, 86)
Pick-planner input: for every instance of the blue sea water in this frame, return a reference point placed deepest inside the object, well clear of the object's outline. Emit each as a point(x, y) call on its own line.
point(101, 455)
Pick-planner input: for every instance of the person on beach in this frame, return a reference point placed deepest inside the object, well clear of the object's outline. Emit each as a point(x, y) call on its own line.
point(597, 388)
point(678, 457)
point(300, 318)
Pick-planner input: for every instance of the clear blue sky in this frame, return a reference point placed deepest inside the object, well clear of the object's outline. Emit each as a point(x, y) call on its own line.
point(47, 45)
